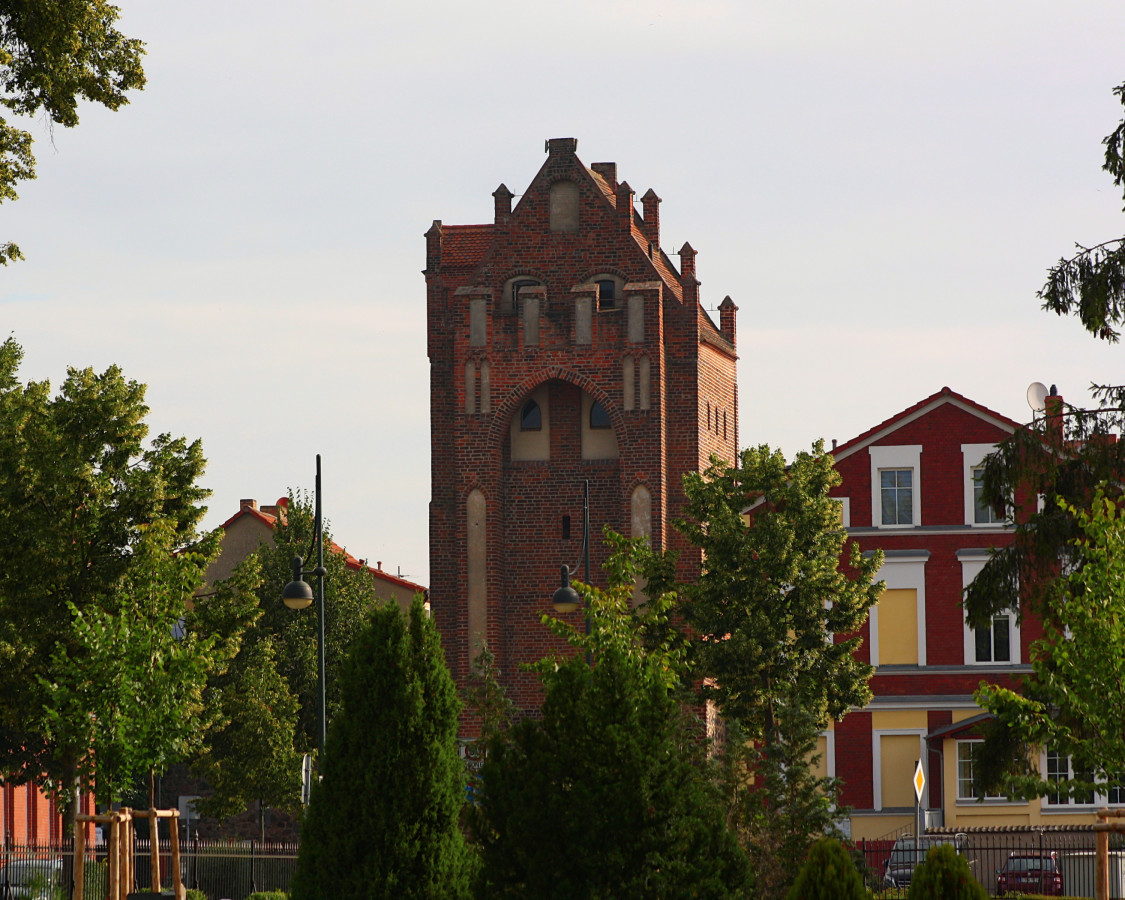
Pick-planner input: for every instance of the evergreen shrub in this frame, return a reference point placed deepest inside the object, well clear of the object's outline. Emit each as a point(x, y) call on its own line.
point(829, 873)
point(944, 875)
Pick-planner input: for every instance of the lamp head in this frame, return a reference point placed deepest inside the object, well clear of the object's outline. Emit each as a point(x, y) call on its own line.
point(565, 598)
point(298, 593)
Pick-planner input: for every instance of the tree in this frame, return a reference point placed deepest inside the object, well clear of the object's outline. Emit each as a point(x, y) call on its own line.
point(776, 616)
point(1079, 660)
point(349, 595)
point(383, 822)
point(266, 702)
point(607, 794)
point(90, 515)
point(828, 874)
point(130, 685)
point(1047, 478)
point(1091, 284)
point(52, 55)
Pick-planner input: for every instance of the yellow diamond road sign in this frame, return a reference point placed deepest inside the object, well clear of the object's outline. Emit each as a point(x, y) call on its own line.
point(919, 781)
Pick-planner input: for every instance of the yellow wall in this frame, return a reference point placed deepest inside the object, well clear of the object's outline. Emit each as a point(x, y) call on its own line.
point(898, 758)
point(898, 627)
point(970, 813)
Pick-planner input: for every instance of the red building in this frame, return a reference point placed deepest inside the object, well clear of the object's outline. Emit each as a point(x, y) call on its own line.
point(564, 346)
point(910, 488)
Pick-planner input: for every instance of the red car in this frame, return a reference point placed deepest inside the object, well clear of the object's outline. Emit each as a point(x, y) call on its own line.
point(1030, 873)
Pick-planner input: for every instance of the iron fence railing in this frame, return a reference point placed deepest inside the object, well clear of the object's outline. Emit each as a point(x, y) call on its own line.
point(1070, 850)
point(221, 870)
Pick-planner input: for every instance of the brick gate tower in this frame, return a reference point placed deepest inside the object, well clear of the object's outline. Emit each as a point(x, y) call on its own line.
point(564, 346)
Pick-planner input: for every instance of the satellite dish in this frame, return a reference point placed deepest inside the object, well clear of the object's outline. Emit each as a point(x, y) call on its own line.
point(1037, 396)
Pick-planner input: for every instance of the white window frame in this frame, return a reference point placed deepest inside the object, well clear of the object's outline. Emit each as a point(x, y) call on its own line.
point(906, 456)
point(901, 571)
point(960, 798)
point(877, 763)
point(845, 510)
point(973, 458)
point(972, 561)
point(1067, 803)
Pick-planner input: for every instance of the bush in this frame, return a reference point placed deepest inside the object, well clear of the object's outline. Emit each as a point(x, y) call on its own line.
point(268, 895)
point(829, 873)
point(193, 894)
point(944, 875)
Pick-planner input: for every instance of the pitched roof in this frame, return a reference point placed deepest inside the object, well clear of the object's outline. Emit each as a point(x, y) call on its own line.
point(350, 561)
point(919, 409)
point(464, 246)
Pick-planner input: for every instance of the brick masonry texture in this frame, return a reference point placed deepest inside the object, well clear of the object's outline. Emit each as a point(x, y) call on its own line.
point(693, 411)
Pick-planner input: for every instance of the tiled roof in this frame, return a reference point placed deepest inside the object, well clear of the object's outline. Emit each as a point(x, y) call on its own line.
point(463, 246)
point(350, 561)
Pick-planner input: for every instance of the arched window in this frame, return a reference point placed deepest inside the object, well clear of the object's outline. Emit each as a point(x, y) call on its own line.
point(599, 418)
point(509, 297)
point(531, 417)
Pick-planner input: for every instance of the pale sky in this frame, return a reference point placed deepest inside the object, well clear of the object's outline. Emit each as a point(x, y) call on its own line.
point(879, 185)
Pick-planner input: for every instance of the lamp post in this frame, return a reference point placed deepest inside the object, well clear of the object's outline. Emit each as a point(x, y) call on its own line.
point(566, 598)
point(297, 594)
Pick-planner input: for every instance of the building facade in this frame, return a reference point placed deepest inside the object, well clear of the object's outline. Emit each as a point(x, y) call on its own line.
point(565, 347)
point(911, 488)
point(253, 526)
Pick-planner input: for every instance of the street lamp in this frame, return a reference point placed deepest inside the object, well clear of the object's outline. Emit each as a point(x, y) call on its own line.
point(566, 598)
point(297, 594)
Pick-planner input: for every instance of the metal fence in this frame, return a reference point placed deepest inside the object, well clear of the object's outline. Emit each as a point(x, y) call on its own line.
point(988, 850)
point(220, 870)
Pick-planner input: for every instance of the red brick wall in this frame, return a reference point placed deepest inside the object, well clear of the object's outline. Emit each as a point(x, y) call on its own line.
point(526, 500)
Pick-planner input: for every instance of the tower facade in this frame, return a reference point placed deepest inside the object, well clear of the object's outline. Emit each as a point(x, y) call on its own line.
point(564, 347)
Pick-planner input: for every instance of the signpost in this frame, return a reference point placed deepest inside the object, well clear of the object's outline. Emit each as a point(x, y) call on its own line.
point(919, 786)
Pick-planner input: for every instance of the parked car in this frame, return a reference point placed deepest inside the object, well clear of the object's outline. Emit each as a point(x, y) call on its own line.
point(1030, 873)
point(32, 879)
point(907, 854)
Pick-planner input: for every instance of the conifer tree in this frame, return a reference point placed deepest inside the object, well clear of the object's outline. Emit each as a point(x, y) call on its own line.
point(607, 795)
point(383, 821)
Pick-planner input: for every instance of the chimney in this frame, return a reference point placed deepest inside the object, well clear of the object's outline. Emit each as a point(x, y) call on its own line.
point(625, 204)
point(727, 309)
point(688, 281)
point(650, 203)
point(608, 171)
point(248, 504)
point(562, 146)
point(433, 247)
point(1055, 410)
point(502, 201)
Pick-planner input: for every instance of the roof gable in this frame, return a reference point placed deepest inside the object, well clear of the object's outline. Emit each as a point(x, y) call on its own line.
point(913, 413)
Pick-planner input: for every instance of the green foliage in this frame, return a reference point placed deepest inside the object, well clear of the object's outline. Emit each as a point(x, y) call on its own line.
point(608, 795)
point(1064, 458)
point(130, 685)
point(349, 595)
point(829, 873)
point(778, 803)
point(1091, 284)
point(193, 894)
point(777, 615)
point(267, 701)
point(383, 822)
point(1081, 656)
point(770, 592)
point(52, 55)
point(268, 895)
point(944, 875)
point(90, 513)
